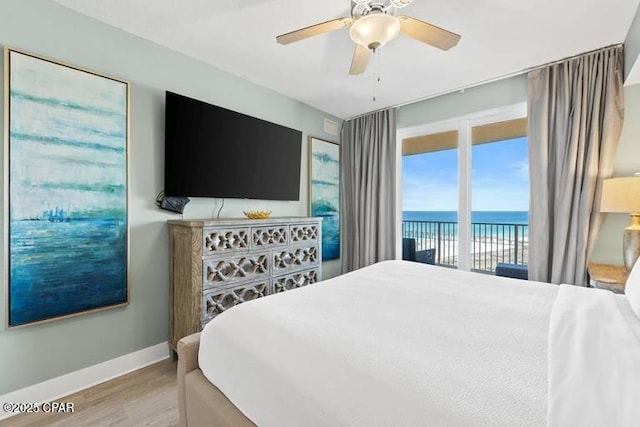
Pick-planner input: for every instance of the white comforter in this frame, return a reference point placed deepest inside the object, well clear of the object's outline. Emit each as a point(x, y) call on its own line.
point(394, 344)
point(594, 360)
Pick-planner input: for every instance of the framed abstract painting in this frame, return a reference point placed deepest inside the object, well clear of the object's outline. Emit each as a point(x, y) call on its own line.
point(66, 190)
point(324, 193)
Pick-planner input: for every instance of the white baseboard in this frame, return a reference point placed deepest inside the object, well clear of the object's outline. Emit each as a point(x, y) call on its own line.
point(73, 382)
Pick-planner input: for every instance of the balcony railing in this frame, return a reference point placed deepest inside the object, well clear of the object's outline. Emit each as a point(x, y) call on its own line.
point(491, 243)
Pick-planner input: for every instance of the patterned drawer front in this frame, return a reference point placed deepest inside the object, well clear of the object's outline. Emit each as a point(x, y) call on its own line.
point(216, 301)
point(292, 259)
point(269, 236)
point(304, 233)
point(236, 268)
point(295, 280)
point(218, 241)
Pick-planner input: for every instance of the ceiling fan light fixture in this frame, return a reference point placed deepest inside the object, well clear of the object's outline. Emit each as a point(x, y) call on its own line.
point(400, 3)
point(374, 30)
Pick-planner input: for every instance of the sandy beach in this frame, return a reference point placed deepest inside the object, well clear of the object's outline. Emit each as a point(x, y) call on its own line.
point(486, 252)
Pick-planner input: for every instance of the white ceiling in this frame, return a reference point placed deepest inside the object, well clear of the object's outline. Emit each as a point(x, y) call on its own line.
point(499, 37)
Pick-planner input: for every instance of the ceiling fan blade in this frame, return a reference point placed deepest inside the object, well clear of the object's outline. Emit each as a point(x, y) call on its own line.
point(360, 60)
point(427, 33)
point(314, 30)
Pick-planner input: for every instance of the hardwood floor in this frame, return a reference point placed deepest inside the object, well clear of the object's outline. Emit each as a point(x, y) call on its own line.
point(147, 397)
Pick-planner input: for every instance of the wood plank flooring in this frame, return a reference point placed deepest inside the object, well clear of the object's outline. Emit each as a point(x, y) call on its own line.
point(147, 397)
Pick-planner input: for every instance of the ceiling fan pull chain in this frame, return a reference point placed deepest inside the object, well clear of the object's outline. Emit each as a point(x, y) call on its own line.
point(375, 73)
point(378, 64)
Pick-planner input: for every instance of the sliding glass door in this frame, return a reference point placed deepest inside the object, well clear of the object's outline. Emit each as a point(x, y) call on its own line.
point(430, 198)
point(499, 194)
point(465, 191)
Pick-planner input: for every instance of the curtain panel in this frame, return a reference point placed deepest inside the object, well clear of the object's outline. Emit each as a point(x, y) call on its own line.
point(576, 110)
point(368, 196)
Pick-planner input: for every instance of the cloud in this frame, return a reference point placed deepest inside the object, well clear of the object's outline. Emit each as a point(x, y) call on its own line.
point(430, 198)
point(500, 181)
point(521, 169)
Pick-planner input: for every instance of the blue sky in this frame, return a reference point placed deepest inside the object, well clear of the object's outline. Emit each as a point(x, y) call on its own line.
point(500, 178)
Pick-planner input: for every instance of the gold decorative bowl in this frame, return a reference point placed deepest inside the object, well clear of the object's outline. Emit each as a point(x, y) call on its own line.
point(257, 214)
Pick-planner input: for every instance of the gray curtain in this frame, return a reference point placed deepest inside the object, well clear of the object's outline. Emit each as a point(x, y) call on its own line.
point(575, 110)
point(368, 176)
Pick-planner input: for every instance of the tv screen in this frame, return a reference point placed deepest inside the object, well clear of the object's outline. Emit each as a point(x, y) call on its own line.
point(214, 152)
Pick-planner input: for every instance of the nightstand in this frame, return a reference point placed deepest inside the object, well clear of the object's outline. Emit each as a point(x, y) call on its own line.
point(608, 276)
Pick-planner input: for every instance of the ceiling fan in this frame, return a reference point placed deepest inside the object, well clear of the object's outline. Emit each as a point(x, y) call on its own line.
point(373, 24)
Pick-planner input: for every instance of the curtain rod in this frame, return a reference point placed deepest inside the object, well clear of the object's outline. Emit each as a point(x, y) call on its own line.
point(492, 80)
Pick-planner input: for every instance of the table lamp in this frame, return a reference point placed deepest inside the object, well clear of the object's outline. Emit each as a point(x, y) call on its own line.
point(622, 195)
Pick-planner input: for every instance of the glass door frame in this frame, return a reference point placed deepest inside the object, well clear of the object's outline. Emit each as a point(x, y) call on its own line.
point(464, 125)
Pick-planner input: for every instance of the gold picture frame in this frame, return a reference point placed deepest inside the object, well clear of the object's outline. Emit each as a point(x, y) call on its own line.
point(66, 190)
point(324, 193)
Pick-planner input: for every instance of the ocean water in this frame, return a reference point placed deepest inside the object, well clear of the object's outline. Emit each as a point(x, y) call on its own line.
point(490, 217)
point(492, 225)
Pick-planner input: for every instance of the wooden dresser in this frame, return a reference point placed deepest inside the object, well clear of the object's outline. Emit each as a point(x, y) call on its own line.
point(217, 264)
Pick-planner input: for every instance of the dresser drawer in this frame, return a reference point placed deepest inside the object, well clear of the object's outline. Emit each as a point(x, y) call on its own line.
point(216, 301)
point(295, 280)
point(294, 259)
point(236, 268)
point(269, 236)
point(304, 233)
point(218, 241)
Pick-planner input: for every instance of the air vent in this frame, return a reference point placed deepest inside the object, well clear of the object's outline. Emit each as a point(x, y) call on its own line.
point(330, 127)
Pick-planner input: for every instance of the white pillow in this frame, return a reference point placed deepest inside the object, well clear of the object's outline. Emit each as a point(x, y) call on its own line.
point(632, 288)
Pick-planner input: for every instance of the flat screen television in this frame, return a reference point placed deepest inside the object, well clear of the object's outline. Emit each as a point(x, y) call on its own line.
point(214, 152)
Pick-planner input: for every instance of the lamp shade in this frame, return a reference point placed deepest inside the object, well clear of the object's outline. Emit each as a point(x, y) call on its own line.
point(621, 195)
point(374, 30)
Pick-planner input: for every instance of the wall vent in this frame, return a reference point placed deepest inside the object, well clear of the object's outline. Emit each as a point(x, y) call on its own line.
point(330, 127)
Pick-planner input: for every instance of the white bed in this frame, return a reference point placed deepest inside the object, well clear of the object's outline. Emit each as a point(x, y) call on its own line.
point(408, 344)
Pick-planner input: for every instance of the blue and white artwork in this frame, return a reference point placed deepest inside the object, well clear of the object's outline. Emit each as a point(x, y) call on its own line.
point(68, 230)
point(325, 194)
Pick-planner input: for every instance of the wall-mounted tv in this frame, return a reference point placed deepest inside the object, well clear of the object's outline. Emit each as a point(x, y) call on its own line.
point(214, 152)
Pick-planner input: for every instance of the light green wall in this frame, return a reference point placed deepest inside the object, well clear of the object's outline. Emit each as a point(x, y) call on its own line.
point(608, 247)
point(33, 354)
point(491, 95)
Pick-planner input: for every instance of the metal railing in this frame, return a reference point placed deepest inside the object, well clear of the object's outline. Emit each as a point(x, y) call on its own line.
point(491, 243)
